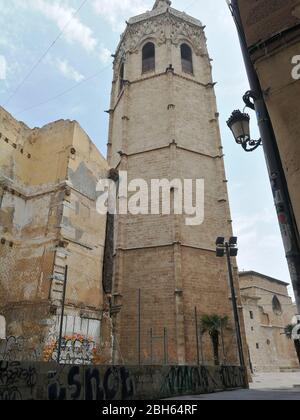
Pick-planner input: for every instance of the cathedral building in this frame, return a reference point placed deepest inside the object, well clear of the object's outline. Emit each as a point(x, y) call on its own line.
point(138, 284)
point(268, 310)
point(164, 124)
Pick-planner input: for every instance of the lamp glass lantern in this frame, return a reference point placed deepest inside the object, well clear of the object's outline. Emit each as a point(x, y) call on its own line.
point(239, 124)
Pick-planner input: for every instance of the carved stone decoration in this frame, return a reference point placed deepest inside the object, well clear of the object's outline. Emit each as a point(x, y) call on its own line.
point(135, 34)
point(157, 28)
point(181, 30)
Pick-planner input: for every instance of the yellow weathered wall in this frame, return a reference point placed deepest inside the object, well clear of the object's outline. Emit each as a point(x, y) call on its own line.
point(48, 220)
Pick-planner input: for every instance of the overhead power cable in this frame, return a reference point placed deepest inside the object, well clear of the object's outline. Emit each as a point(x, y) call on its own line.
point(190, 5)
point(53, 98)
point(65, 92)
point(33, 68)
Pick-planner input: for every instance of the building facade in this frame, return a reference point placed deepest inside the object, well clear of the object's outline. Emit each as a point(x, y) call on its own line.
point(164, 125)
point(268, 310)
point(48, 221)
point(137, 284)
point(272, 32)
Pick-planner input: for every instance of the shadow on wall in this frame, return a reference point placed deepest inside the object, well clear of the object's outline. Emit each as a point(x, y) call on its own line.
point(42, 381)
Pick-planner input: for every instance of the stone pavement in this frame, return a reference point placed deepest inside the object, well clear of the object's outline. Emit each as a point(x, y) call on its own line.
point(245, 395)
point(275, 380)
point(266, 387)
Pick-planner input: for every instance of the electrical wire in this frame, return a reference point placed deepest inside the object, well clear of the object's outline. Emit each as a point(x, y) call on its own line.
point(71, 88)
point(33, 68)
point(190, 5)
point(53, 98)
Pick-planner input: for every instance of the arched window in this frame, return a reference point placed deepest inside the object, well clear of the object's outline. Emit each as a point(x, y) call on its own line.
point(187, 59)
point(148, 57)
point(121, 76)
point(277, 308)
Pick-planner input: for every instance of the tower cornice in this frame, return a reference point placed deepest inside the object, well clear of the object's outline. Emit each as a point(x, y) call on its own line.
point(160, 11)
point(150, 24)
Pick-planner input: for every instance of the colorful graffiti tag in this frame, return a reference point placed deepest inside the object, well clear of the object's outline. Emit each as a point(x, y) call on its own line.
point(75, 349)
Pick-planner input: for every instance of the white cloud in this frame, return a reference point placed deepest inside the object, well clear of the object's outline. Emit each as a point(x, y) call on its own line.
point(3, 67)
point(105, 54)
point(68, 71)
point(115, 11)
point(76, 31)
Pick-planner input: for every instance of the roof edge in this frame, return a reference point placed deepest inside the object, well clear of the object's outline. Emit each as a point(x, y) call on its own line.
point(269, 278)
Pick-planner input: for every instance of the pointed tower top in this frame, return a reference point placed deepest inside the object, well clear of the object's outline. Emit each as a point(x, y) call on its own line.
point(161, 3)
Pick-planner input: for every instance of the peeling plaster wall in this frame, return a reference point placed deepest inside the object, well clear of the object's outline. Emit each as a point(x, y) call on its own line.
point(48, 221)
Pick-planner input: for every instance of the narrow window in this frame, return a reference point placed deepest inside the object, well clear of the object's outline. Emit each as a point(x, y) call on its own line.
point(2, 328)
point(121, 76)
point(257, 346)
point(187, 59)
point(277, 308)
point(251, 315)
point(148, 57)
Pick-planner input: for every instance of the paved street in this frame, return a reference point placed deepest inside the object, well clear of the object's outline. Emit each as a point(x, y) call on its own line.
point(272, 387)
point(244, 395)
point(276, 380)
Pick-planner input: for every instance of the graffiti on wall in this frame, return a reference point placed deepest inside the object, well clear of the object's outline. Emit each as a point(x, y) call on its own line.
point(75, 349)
point(18, 349)
point(14, 378)
point(49, 381)
point(186, 379)
point(92, 384)
point(182, 378)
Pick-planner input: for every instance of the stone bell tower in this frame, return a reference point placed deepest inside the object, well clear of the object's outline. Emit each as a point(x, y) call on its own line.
point(164, 125)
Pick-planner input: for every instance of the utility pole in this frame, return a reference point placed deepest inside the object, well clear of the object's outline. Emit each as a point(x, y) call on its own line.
point(197, 336)
point(62, 315)
point(235, 307)
point(139, 328)
point(284, 208)
point(230, 249)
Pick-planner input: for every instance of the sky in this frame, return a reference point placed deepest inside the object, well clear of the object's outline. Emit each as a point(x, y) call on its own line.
point(73, 81)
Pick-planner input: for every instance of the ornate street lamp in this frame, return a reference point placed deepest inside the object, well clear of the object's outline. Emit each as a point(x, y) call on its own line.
point(230, 249)
point(239, 124)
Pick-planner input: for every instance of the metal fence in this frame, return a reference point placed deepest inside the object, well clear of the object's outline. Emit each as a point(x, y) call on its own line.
point(146, 344)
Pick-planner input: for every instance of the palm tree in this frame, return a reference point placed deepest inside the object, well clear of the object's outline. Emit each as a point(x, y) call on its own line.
point(213, 325)
point(288, 331)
